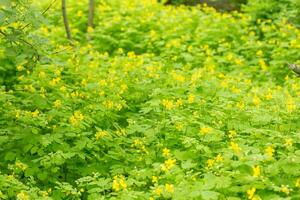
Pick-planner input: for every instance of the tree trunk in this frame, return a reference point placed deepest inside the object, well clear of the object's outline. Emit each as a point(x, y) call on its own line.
point(91, 13)
point(66, 22)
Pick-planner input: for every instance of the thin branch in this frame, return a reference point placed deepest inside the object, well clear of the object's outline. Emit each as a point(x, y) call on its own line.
point(91, 15)
point(66, 22)
point(2, 33)
point(48, 8)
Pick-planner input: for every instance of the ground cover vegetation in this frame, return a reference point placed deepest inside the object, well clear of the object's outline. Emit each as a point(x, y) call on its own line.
point(152, 102)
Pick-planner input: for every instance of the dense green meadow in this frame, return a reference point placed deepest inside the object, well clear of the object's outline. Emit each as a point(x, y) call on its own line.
point(154, 102)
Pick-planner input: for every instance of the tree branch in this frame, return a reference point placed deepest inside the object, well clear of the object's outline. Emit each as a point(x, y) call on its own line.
point(91, 15)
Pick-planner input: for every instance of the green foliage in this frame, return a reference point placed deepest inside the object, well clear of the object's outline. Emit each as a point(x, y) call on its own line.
point(18, 46)
point(271, 9)
point(164, 103)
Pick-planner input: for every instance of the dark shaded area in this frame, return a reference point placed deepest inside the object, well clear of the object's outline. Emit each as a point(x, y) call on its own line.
point(221, 5)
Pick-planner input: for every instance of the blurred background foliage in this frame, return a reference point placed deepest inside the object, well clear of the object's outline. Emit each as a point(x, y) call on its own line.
point(258, 9)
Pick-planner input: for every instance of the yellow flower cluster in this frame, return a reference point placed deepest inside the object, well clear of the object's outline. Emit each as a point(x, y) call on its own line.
point(119, 183)
point(76, 118)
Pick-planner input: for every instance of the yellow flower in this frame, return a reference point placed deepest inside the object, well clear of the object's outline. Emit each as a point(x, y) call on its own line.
point(169, 188)
point(35, 113)
point(210, 162)
point(79, 13)
point(20, 68)
point(219, 158)
point(290, 104)
point(116, 185)
point(235, 147)
point(100, 134)
point(259, 53)
point(76, 118)
point(251, 192)
point(240, 105)
point(122, 182)
point(256, 171)
point(270, 151)
point(297, 182)
point(205, 130)
point(285, 189)
point(262, 64)
point(179, 126)
point(166, 152)
point(191, 98)
point(158, 191)
point(154, 179)
point(269, 96)
point(256, 100)
point(57, 104)
point(90, 29)
point(170, 163)
point(168, 104)
point(22, 196)
point(17, 114)
point(119, 183)
point(232, 134)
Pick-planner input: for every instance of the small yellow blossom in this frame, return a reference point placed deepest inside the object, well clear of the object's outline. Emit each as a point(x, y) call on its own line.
point(100, 134)
point(119, 183)
point(17, 114)
point(57, 104)
point(22, 196)
point(259, 53)
point(158, 191)
point(154, 179)
point(270, 151)
point(191, 98)
point(285, 189)
point(210, 162)
point(240, 105)
point(232, 134)
point(168, 104)
point(170, 163)
point(179, 126)
point(297, 183)
point(205, 130)
point(256, 171)
point(166, 152)
point(35, 113)
point(251, 193)
point(256, 100)
point(90, 29)
point(79, 13)
point(20, 68)
point(235, 147)
point(262, 64)
point(76, 118)
point(219, 158)
point(169, 188)
point(269, 96)
point(116, 185)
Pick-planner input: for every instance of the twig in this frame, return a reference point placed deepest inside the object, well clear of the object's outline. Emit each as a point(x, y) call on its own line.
point(43, 13)
point(48, 8)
